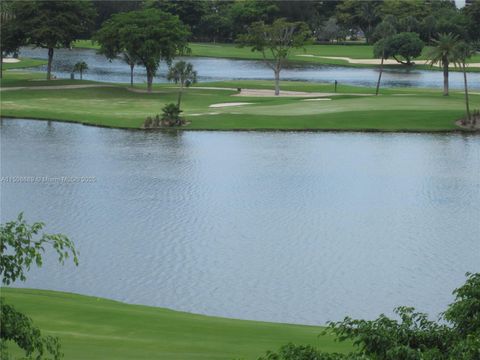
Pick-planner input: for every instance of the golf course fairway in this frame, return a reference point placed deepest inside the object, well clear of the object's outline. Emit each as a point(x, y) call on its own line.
point(95, 328)
point(317, 107)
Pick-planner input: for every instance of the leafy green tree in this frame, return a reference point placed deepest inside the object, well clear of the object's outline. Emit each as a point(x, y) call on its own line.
point(428, 28)
point(331, 30)
point(80, 66)
point(22, 245)
point(12, 35)
point(275, 42)
point(304, 352)
point(412, 336)
point(472, 14)
point(244, 13)
point(443, 53)
point(147, 36)
point(383, 32)
point(464, 312)
point(215, 26)
point(106, 9)
point(182, 73)
point(364, 15)
point(190, 12)
point(451, 20)
point(20, 329)
point(53, 24)
point(404, 45)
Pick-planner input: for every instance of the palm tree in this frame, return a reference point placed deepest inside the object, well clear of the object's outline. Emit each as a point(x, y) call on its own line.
point(182, 73)
point(463, 51)
point(80, 66)
point(383, 31)
point(444, 53)
point(131, 60)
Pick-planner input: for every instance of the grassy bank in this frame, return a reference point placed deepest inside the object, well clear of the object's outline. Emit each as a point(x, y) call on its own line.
point(24, 63)
point(116, 105)
point(95, 328)
point(298, 55)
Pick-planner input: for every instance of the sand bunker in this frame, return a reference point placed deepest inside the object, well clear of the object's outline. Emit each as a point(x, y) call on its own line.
point(375, 61)
point(283, 93)
point(220, 105)
point(10, 60)
point(316, 99)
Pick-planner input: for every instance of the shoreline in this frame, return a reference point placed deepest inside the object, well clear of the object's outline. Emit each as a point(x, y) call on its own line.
point(97, 326)
point(463, 130)
point(327, 60)
point(75, 294)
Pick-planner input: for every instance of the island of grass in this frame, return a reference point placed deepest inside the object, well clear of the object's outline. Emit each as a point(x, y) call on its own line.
point(316, 107)
point(352, 55)
point(94, 328)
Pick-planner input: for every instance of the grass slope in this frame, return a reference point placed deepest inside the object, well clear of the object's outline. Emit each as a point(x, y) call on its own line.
point(352, 51)
point(24, 63)
point(115, 105)
point(94, 328)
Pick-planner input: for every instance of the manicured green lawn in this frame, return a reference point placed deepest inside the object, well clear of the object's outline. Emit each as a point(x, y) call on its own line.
point(115, 105)
point(94, 328)
point(351, 51)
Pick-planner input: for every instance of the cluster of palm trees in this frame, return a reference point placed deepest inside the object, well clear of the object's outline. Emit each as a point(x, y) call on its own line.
point(448, 50)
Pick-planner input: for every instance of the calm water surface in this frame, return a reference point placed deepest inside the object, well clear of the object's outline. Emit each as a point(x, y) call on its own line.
point(209, 69)
point(290, 227)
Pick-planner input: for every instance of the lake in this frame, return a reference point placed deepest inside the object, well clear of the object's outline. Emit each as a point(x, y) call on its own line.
point(278, 226)
point(210, 69)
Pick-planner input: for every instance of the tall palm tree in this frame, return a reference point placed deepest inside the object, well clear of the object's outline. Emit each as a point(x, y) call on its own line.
point(383, 31)
point(80, 66)
point(444, 53)
point(463, 51)
point(182, 73)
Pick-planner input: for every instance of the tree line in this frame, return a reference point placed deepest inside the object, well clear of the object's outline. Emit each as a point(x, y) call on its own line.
point(225, 20)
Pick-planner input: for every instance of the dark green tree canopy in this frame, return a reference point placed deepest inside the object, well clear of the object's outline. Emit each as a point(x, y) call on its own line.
point(54, 24)
point(409, 336)
point(275, 42)
point(363, 15)
point(148, 36)
point(406, 45)
point(472, 16)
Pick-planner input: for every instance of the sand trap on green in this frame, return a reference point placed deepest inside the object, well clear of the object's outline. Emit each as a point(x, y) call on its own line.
point(283, 93)
point(10, 60)
point(316, 99)
point(229, 104)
